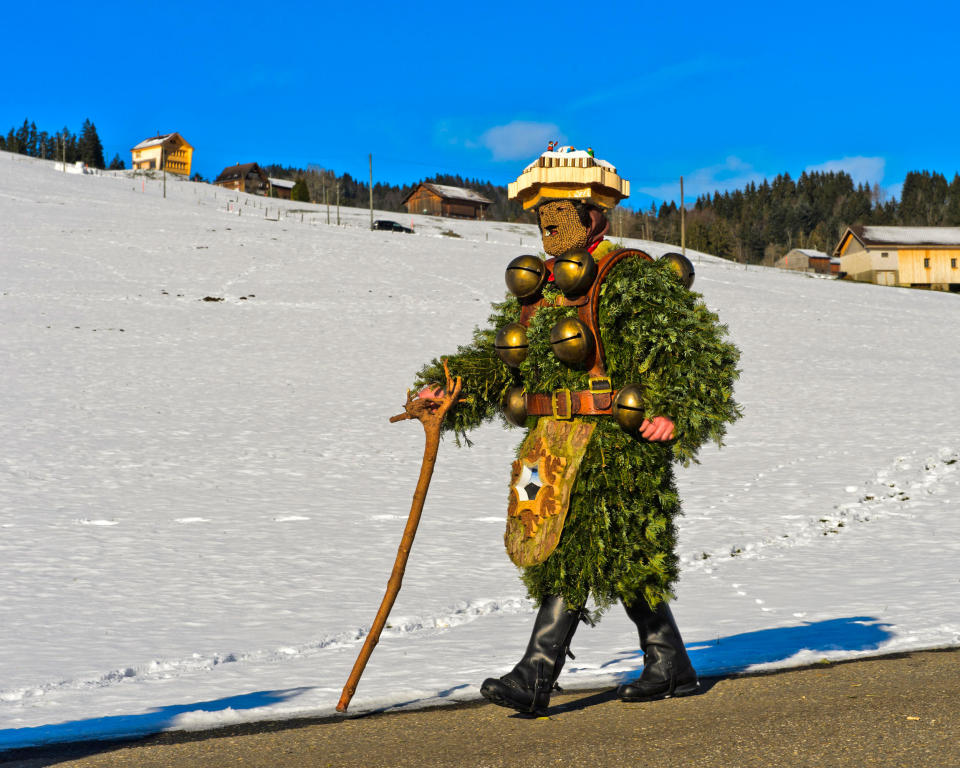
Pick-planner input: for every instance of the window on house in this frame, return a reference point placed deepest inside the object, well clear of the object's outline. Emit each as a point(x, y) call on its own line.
point(884, 255)
point(953, 263)
point(926, 263)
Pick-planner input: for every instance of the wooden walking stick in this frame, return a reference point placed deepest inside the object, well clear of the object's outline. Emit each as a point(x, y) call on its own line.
point(430, 413)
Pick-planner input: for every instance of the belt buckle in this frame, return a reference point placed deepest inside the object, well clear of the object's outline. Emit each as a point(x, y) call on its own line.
point(554, 403)
point(600, 385)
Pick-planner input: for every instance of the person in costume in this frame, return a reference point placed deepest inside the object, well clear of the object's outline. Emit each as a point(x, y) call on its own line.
point(617, 370)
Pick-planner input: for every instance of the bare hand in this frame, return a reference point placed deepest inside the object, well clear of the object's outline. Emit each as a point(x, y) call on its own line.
point(659, 430)
point(433, 392)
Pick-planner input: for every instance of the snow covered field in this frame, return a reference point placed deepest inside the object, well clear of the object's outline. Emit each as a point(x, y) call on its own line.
point(201, 496)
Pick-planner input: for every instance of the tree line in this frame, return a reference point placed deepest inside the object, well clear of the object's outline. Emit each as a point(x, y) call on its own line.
point(761, 222)
point(322, 186)
point(61, 145)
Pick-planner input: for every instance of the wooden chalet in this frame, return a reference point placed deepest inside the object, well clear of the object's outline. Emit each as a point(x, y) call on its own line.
point(807, 260)
point(918, 257)
point(245, 177)
point(443, 200)
point(168, 151)
point(281, 188)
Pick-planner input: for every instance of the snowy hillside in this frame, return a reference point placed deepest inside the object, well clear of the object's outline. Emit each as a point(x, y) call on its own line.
point(201, 496)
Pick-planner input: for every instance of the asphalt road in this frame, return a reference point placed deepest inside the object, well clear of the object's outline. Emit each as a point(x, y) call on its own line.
point(901, 711)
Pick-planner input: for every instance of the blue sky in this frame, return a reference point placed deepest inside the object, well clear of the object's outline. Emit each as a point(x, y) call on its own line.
point(721, 93)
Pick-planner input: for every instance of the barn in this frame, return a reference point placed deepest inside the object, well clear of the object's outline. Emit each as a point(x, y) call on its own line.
point(806, 260)
point(281, 188)
point(443, 200)
point(918, 257)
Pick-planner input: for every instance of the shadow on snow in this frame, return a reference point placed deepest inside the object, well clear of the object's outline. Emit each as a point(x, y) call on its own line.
point(129, 726)
point(737, 653)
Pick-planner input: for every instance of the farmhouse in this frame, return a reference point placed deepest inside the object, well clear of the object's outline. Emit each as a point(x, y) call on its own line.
point(169, 151)
point(806, 260)
point(246, 177)
point(281, 188)
point(919, 257)
point(443, 200)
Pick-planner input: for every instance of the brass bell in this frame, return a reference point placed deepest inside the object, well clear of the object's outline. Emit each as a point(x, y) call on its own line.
point(511, 344)
point(525, 276)
point(628, 407)
point(514, 406)
point(571, 341)
point(575, 271)
point(682, 266)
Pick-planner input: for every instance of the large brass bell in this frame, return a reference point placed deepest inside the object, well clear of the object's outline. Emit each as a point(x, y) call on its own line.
point(525, 276)
point(628, 407)
point(511, 344)
point(571, 341)
point(514, 406)
point(575, 271)
point(682, 266)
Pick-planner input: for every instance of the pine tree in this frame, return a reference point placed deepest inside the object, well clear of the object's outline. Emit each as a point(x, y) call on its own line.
point(117, 164)
point(91, 150)
point(300, 191)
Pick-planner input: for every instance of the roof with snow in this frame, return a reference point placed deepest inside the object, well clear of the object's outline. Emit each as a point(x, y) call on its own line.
point(811, 254)
point(870, 235)
point(156, 141)
point(282, 183)
point(451, 193)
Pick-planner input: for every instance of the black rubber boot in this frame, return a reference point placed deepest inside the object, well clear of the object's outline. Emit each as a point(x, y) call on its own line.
point(667, 670)
point(528, 686)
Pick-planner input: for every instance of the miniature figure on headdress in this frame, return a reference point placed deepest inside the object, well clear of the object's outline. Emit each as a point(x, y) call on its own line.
point(585, 355)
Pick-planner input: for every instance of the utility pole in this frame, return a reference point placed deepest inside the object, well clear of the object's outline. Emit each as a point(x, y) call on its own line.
point(326, 200)
point(338, 203)
point(371, 190)
point(683, 223)
point(163, 162)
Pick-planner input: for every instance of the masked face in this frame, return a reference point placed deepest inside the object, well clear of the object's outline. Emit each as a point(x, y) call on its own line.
point(561, 228)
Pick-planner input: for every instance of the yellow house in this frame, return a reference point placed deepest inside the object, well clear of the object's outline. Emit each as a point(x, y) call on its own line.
point(920, 257)
point(168, 150)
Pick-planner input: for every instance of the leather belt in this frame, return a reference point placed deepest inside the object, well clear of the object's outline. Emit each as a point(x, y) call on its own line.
point(565, 404)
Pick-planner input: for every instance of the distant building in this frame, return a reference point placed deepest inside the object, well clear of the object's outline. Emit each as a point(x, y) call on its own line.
point(281, 188)
point(442, 200)
point(169, 150)
point(920, 257)
point(806, 260)
point(245, 177)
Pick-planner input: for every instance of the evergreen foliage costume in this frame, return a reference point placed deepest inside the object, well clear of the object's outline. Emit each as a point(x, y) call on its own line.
point(581, 360)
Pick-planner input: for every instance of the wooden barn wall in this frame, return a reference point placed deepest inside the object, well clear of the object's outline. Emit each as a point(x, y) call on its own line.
point(944, 266)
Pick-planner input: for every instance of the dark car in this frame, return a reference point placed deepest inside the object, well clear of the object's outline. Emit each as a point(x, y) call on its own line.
point(390, 226)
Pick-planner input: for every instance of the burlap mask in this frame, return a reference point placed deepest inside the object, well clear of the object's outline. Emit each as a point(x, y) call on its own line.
point(565, 225)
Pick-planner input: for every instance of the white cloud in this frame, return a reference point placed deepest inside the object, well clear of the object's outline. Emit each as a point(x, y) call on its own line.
point(863, 170)
point(520, 139)
point(733, 173)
